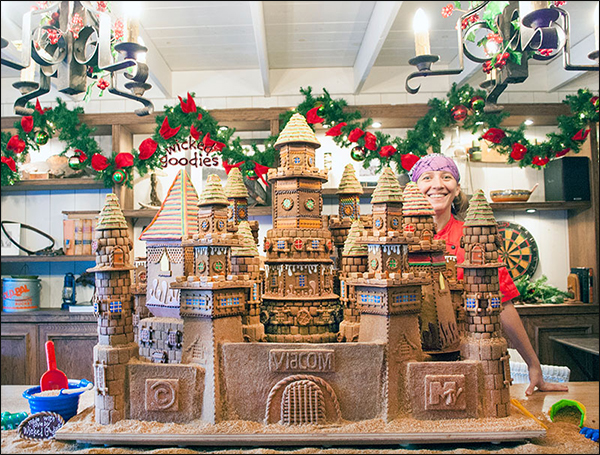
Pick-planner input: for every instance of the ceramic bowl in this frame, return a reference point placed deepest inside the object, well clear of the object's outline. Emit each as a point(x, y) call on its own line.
point(510, 195)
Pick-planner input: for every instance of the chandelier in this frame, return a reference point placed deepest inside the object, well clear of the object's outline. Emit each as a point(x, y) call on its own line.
point(72, 42)
point(505, 39)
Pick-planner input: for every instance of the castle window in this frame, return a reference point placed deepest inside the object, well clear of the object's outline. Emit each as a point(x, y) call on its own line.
point(477, 255)
point(298, 244)
point(116, 306)
point(343, 289)
point(205, 225)
point(165, 264)
point(255, 291)
point(495, 302)
point(378, 223)
point(392, 263)
point(395, 223)
point(301, 281)
point(274, 281)
point(471, 303)
point(118, 257)
point(287, 203)
point(220, 225)
point(218, 267)
point(310, 204)
point(201, 267)
point(281, 244)
point(426, 235)
point(315, 244)
point(297, 160)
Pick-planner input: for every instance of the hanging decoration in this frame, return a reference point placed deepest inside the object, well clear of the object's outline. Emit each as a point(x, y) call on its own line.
point(349, 130)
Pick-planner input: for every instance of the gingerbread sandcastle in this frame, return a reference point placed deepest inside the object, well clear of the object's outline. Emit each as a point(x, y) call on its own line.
point(279, 345)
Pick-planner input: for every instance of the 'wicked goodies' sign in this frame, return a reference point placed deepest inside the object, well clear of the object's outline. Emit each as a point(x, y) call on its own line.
point(41, 425)
point(202, 153)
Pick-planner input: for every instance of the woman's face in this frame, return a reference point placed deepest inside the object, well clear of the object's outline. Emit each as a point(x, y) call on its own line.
point(440, 188)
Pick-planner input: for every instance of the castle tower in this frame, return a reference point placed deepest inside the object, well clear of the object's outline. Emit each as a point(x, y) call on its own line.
point(175, 222)
point(439, 331)
point(213, 299)
point(299, 301)
point(483, 339)
point(245, 262)
point(113, 306)
point(237, 196)
point(389, 295)
point(354, 264)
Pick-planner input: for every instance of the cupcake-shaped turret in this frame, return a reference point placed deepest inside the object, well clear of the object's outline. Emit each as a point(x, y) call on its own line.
point(237, 195)
point(387, 203)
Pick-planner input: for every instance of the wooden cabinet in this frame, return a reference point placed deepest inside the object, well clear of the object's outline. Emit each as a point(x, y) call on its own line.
point(546, 320)
point(25, 334)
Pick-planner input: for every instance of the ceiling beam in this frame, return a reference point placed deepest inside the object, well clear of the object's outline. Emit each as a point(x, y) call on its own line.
point(260, 37)
point(381, 21)
point(558, 76)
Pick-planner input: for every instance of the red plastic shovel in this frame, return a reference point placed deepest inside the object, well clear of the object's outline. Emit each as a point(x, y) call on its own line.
point(53, 378)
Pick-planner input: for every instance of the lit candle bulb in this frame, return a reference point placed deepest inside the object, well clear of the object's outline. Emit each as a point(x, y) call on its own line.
point(132, 30)
point(421, 28)
point(28, 74)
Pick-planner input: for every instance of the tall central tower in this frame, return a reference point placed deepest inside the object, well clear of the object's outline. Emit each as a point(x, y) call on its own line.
point(299, 303)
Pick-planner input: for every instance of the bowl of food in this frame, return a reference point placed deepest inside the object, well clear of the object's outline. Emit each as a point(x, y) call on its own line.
point(511, 195)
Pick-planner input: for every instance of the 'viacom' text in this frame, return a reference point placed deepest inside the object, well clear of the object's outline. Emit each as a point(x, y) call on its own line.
point(196, 159)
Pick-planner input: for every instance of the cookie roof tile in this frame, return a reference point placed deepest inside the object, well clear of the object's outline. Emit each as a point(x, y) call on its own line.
point(296, 130)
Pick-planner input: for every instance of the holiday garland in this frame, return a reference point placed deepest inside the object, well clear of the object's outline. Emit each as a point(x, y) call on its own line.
point(463, 107)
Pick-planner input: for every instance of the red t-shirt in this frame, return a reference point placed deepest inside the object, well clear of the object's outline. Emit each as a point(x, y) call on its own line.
point(452, 233)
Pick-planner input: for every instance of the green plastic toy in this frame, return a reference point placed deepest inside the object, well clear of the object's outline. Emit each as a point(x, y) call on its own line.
point(10, 421)
point(566, 403)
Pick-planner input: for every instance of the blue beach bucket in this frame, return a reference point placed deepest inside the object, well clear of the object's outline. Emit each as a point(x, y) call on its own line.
point(65, 404)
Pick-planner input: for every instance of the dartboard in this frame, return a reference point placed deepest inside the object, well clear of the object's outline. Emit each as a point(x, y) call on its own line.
point(518, 250)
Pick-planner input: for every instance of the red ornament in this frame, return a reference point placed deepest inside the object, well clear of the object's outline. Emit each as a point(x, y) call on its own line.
point(581, 135)
point(166, 131)
point(494, 38)
point(313, 117)
point(408, 160)
point(189, 106)
point(99, 162)
point(594, 101)
point(459, 113)
point(355, 134)
point(102, 84)
point(477, 103)
point(10, 163)
point(387, 151)
point(16, 144)
point(147, 148)
point(76, 25)
point(195, 133)
point(370, 141)
point(81, 155)
point(487, 67)
point(335, 130)
point(123, 159)
point(27, 123)
point(494, 135)
point(448, 10)
point(539, 161)
point(518, 151)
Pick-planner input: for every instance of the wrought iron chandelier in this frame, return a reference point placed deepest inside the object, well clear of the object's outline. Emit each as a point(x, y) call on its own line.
point(71, 47)
point(536, 32)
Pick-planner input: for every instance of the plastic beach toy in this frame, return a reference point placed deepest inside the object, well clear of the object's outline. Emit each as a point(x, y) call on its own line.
point(566, 403)
point(64, 403)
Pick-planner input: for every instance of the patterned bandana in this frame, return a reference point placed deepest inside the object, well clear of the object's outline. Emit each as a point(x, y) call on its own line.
point(434, 162)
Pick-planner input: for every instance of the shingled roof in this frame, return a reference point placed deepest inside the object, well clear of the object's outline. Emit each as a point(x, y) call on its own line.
point(388, 188)
point(111, 216)
point(353, 246)
point(349, 184)
point(415, 202)
point(296, 130)
point(213, 193)
point(177, 217)
point(479, 212)
point(234, 186)
point(247, 246)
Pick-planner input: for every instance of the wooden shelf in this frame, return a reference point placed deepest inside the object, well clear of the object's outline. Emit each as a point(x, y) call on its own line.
point(62, 258)
point(553, 205)
point(54, 184)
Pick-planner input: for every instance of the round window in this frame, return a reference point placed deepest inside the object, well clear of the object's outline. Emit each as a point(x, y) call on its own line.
point(395, 223)
point(378, 223)
point(220, 225)
point(287, 204)
point(205, 225)
point(374, 264)
point(218, 266)
point(201, 267)
point(392, 263)
point(348, 210)
point(310, 204)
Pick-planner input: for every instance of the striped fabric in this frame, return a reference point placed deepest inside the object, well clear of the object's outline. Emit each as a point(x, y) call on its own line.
point(177, 217)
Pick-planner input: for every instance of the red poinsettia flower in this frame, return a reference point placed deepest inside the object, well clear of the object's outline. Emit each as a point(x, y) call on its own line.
point(563, 152)
point(189, 106)
point(27, 123)
point(494, 135)
point(260, 171)
point(408, 160)
point(355, 134)
point(387, 151)
point(16, 144)
point(218, 146)
point(195, 133)
point(208, 142)
point(336, 130)
point(228, 167)
point(147, 148)
point(539, 161)
point(166, 131)
point(99, 162)
point(370, 141)
point(10, 163)
point(313, 117)
point(448, 10)
point(518, 151)
point(581, 135)
point(123, 159)
point(81, 155)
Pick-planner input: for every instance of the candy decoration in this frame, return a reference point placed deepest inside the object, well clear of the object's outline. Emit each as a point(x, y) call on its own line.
point(119, 176)
point(459, 113)
point(41, 138)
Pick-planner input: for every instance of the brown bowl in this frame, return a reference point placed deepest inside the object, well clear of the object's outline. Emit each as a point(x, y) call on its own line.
point(510, 195)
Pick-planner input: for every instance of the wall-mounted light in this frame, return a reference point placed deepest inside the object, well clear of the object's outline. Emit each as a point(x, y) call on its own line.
point(528, 122)
point(376, 125)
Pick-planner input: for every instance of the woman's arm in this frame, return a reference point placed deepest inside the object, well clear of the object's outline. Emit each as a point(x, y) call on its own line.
point(516, 334)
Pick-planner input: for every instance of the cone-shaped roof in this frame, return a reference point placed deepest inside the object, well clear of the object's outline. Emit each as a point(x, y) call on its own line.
point(247, 245)
point(111, 216)
point(296, 130)
point(177, 217)
point(479, 212)
point(234, 186)
point(213, 194)
point(415, 202)
point(388, 188)
point(352, 245)
point(349, 183)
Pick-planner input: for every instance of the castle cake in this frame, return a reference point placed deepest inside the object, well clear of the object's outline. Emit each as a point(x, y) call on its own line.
point(230, 341)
